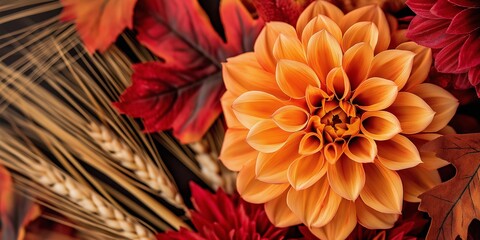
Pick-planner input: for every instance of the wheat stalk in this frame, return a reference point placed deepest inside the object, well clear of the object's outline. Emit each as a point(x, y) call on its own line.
point(89, 201)
point(147, 173)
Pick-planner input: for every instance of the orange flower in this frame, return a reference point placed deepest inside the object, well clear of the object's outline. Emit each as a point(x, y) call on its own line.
point(325, 122)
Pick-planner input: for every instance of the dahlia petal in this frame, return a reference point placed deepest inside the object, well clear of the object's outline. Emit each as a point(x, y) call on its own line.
point(346, 177)
point(422, 7)
point(289, 48)
point(263, 47)
point(255, 191)
point(441, 101)
point(311, 143)
point(365, 32)
point(375, 94)
point(422, 62)
point(445, 9)
point(316, 205)
point(266, 136)
point(321, 23)
point(372, 219)
point(356, 62)
point(412, 111)
point(383, 189)
point(235, 150)
point(279, 214)
point(333, 151)
point(272, 167)
point(306, 171)
point(466, 3)
point(418, 180)
point(338, 83)
point(371, 13)
point(431, 161)
point(468, 57)
point(398, 153)
point(243, 73)
point(291, 118)
point(294, 78)
point(361, 149)
point(318, 8)
point(395, 65)
point(465, 22)
point(314, 97)
point(430, 32)
point(323, 54)
point(227, 100)
point(474, 77)
point(341, 225)
point(446, 60)
point(380, 125)
point(254, 106)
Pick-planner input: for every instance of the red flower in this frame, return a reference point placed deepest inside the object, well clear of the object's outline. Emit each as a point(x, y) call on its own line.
point(219, 216)
point(452, 29)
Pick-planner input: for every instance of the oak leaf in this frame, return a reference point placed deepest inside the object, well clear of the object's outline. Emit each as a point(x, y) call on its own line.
point(183, 92)
point(99, 22)
point(454, 204)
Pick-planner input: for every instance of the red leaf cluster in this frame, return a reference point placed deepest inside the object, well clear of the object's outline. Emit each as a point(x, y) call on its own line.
point(183, 92)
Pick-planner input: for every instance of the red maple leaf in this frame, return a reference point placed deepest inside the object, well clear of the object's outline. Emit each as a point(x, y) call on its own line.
point(183, 92)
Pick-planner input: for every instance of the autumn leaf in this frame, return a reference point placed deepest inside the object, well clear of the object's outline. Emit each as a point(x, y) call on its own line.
point(454, 204)
point(16, 211)
point(99, 22)
point(280, 10)
point(183, 92)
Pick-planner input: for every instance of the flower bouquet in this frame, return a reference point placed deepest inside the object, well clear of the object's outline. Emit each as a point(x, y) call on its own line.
point(240, 119)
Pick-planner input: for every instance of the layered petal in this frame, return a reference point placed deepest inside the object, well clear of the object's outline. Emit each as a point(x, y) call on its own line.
point(346, 177)
point(291, 118)
point(266, 136)
point(243, 73)
point(380, 125)
point(359, 32)
point(254, 106)
point(361, 149)
point(306, 171)
point(441, 101)
point(227, 100)
point(266, 40)
point(338, 83)
point(398, 153)
point(289, 48)
point(386, 197)
point(294, 78)
point(255, 191)
point(279, 213)
point(235, 150)
point(272, 167)
point(341, 225)
point(418, 180)
point(372, 219)
point(316, 205)
point(356, 63)
point(319, 23)
point(323, 54)
point(395, 65)
point(422, 63)
point(413, 113)
point(375, 94)
point(318, 8)
point(310, 143)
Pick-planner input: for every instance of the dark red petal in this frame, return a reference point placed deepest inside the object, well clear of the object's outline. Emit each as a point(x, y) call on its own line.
point(461, 82)
point(422, 7)
point(466, 3)
point(446, 60)
point(430, 32)
point(466, 21)
point(474, 76)
point(469, 54)
point(445, 9)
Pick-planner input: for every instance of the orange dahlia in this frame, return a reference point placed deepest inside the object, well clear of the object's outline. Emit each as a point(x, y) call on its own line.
point(325, 122)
